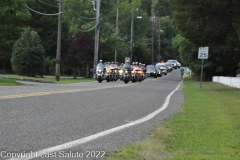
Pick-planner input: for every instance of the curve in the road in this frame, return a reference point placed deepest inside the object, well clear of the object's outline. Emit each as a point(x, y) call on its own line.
point(101, 134)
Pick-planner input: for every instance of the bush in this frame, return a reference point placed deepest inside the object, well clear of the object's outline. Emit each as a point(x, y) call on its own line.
point(28, 56)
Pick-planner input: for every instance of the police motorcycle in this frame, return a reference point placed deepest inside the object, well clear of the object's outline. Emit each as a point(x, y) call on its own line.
point(126, 71)
point(108, 75)
point(137, 73)
point(120, 72)
point(99, 75)
point(111, 72)
point(144, 70)
point(115, 69)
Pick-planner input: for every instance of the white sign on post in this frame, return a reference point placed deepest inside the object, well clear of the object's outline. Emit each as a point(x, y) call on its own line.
point(127, 59)
point(203, 53)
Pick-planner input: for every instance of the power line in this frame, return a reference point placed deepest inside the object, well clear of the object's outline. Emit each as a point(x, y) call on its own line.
point(80, 15)
point(88, 30)
point(44, 13)
point(82, 20)
point(47, 4)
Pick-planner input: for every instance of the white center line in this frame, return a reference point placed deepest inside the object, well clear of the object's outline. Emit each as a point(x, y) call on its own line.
point(100, 134)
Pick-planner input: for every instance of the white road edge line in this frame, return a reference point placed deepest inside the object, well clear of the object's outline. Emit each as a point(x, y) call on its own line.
point(100, 134)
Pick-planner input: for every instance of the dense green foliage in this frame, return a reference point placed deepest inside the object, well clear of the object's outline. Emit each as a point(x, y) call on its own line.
point(28, 55)
point(209, 23)
point(180, 26)
point(13, 17)
point(79, 19)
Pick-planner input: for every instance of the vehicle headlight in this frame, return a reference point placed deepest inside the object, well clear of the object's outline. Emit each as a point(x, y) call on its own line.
point(120, 71)
point(132, 72)
point(126, 71)
point(107, 71)
point(99, 70)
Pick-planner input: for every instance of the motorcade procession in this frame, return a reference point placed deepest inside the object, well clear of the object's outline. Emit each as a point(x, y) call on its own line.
point(135, 72)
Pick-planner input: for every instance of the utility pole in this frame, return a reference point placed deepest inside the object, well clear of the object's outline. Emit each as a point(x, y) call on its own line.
point(131, 37)
point(159, 45)
point(58, 55)
point(115, 59)
point(95, 61)
point(152, 31)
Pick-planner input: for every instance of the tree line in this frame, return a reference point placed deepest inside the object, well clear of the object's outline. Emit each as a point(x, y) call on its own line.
point(215, 24)
point(180, 27)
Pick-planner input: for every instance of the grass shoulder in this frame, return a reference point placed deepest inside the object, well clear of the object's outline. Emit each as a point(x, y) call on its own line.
point(47, 79)
point(5, 82)
point(206, 127)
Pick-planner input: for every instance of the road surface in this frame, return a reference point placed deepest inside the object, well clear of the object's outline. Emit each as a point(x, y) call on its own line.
point(83, 120)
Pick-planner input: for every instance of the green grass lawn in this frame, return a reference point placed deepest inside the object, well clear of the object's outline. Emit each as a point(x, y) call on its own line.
point(63, 80)
point(4, 82)
point(206, 128)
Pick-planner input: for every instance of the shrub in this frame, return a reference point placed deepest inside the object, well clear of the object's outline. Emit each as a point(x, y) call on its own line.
point(28, 56)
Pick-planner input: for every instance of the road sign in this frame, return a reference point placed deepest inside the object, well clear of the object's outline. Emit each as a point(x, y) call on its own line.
point(203, 53)
point(127, 59)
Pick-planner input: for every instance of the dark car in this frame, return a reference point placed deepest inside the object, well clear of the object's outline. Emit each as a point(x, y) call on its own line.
point(162, 67)
point(169, 67)
point(152, 71)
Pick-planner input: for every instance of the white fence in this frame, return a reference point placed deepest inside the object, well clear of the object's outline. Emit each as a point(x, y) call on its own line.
point(230, 81)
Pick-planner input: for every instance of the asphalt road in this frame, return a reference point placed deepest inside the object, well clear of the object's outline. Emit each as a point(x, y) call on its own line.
point(39, 116)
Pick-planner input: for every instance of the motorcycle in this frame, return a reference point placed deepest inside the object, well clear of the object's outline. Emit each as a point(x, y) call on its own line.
point(126, 73)
point(144, 70)
point(114, 71)
point(111, 73)
point(99, 75)
point(137, 73)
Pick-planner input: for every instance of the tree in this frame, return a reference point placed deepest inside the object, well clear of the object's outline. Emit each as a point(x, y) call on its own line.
point(208, 23)
point(80, 52)
point(79, 14)
point(47, 29)
point(13, 16)
point(46, 26)
point(163, 8)
point(167, 33)
point(28, 54)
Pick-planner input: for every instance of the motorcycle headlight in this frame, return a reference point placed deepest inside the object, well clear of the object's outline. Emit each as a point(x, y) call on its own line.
point(126, 71)
point(99, 70)
point(120, 71)
point(132, 72)
point(107, 71)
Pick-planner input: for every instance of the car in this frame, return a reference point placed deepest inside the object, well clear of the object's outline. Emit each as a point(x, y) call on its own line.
point(173, 62)
point(169, 67)
point(162, 67)
point(152, 71)
point(178, 65)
